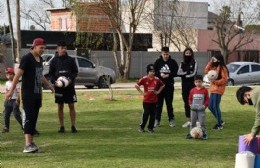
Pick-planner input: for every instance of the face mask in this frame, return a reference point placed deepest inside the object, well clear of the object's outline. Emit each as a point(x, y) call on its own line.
point(215, 64)
point(250, 102)
point(187, 59)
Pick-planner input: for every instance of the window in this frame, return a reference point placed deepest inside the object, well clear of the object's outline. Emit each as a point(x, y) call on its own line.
point(84, 63)
point(255, 68)
point(244, 69)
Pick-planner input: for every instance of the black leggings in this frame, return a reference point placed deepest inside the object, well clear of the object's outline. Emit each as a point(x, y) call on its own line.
point(185, 97)
point(11, 106)
point(31, 108)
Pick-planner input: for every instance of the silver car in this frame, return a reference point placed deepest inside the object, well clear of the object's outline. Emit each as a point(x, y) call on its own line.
point(89, 74)
point(241, 73)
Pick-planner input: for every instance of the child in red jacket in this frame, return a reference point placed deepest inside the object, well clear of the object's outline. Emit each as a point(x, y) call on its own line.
point(198, 100)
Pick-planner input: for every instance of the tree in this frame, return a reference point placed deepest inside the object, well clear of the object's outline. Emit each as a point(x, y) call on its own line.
point(11, 28)
point(117, 12)
point(230, 37)
point(37, 14)
point(18, 32)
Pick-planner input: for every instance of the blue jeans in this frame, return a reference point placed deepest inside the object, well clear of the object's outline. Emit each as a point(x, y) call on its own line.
point(214, 106)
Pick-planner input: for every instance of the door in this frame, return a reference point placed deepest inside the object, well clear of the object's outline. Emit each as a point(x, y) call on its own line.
point(87, 72)
point(255, 72)
point(243, 75)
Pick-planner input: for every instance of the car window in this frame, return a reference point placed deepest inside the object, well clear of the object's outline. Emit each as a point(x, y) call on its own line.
point(84, 63)
point(255, 68)
point(232, 67)
point(244, 69)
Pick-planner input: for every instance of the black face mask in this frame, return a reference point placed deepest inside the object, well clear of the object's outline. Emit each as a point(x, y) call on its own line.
point(187, 59)
point(250, 102)
point(215, 64)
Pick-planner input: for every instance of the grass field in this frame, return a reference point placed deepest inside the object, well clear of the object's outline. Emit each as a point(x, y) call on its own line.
point(108, 136)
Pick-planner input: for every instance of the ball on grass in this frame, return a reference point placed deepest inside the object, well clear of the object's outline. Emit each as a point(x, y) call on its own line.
point(196, 133)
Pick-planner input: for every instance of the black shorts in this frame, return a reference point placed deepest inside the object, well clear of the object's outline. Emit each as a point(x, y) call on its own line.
point(65, 95)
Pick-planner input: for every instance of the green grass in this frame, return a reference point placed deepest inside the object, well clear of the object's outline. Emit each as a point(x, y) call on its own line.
point(108, 136)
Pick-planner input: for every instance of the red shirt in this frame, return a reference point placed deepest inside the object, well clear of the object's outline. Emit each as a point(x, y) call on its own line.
point(199, 96)
point(150, 85)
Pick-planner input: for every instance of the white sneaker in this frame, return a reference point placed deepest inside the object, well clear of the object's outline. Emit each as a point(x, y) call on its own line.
point(172, 123)
point(156, 123)
point(198, 124)
point(187, 124)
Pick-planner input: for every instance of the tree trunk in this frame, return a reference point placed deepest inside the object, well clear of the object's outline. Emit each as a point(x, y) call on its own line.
point(11, 29)
point(18, 32)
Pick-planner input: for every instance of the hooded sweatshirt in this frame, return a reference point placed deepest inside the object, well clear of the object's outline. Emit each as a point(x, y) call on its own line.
point(63, 66)
point(167, 67)
point(255, 97)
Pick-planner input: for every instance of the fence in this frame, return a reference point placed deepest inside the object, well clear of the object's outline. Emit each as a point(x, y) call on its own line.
point(138, 62)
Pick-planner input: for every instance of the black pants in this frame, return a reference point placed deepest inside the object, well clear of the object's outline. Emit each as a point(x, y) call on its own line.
point(149, 110)
point(167, 94)
point(186, 87)
point(31, 108)
point(11, 106)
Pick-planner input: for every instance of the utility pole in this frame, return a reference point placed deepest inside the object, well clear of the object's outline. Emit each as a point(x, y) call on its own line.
point(18, 32)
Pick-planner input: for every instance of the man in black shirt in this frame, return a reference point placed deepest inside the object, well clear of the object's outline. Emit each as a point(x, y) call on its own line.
point(30, 69)
point(64, 65)
point(165, 69)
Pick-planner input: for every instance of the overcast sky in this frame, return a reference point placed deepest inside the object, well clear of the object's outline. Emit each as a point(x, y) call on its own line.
point(24, 23)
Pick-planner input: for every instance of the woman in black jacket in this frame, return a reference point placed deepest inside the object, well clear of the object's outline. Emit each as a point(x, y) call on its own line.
point(187, 71)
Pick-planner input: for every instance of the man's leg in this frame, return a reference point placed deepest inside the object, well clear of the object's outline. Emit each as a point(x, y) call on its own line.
point(72, 113)
point(61, 115)
point(159, 106)
point(168, 99)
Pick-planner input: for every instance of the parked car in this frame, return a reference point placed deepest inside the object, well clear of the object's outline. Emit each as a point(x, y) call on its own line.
point(89, 74)
point(241, 73)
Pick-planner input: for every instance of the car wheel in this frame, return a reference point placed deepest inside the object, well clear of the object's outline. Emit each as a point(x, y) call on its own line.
point(89, 87)
point(230, 82)
point(103, 82)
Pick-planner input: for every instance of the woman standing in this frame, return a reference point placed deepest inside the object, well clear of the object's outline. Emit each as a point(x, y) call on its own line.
point(217, 87)
point(187, 71)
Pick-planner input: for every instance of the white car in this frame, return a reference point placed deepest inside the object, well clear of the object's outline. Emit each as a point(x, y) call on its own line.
point(241, 73)
point(89, 74)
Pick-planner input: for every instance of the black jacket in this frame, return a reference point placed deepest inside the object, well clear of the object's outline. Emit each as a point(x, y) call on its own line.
point(187, 72)
point(63, 66)
point(168, 67)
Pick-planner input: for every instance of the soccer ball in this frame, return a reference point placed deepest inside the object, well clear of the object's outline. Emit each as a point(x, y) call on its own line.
point(212, 75)
point(196, 133)
point(62, 81)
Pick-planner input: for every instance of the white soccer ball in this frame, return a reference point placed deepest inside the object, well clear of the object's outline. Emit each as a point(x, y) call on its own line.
point(212, 75)
point(196, 133)
point(62, 81)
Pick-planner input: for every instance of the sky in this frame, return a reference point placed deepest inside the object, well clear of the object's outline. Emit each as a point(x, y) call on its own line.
point(24, 22)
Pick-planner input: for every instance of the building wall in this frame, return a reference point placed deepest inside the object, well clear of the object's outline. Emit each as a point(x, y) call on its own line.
point(63, 20)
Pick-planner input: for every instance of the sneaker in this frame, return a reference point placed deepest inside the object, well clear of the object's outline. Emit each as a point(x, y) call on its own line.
point(222, 123)
point(73, 129)
point(156, 123)
point(141, 130)
point(187, 124)
point(198, 124)
point(5, 130)
point(36, 133)
point(150, 130)
point(35, 146)
point(204, 137)
point(188, 136)
point(172, 123)
point(30, 148)
point(61, 130)
point(218, 127)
